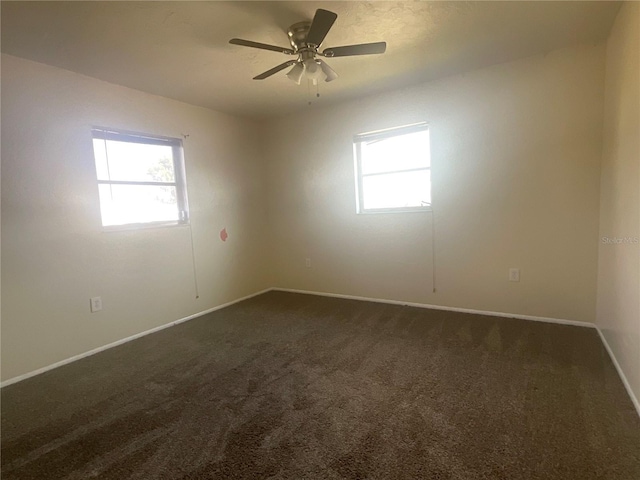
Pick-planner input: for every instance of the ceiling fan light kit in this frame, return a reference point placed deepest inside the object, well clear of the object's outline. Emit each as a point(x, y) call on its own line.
point(296, 73)
point(305, 39)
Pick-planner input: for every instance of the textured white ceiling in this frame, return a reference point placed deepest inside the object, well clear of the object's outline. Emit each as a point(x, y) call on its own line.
point(180, 50)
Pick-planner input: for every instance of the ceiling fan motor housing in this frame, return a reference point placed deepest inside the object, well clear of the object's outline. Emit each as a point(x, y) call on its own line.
point(298, 35)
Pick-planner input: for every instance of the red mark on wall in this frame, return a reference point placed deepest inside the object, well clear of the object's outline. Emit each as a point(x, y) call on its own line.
point(224, 235)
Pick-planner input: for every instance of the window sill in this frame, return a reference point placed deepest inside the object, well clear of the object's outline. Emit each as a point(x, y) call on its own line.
point(395, 210)
point(142, 226)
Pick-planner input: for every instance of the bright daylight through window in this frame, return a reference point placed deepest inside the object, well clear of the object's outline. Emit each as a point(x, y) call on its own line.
point(393, 170)
point(141, 179)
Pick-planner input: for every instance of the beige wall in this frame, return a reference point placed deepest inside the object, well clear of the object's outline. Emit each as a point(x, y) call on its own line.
point(55, 255)
point(619, 263)
point(516, 163)
point(516, 152)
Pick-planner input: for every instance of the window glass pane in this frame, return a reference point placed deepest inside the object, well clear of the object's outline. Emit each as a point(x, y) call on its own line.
point(99, 153)
point(137, 162)
point(397, 190)
point(401, 152)
point(122, 204)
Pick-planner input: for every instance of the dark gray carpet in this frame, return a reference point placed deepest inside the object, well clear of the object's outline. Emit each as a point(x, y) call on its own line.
point(304, 387)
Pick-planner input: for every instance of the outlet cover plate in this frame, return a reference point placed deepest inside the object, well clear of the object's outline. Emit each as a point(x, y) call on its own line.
point(96, 304)
point(514, 274)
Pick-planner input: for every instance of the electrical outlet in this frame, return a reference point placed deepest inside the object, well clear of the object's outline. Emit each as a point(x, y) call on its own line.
point(514, 274)
point(96, 304)
point(307, 262)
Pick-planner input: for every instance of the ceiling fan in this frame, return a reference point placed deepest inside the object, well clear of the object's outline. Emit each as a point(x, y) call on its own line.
point(306, 38)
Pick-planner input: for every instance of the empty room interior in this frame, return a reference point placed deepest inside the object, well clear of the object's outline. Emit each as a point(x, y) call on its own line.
point(320, 240)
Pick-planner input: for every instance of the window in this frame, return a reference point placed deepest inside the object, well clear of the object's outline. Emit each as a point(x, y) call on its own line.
point(393, 170)
point(141, 180)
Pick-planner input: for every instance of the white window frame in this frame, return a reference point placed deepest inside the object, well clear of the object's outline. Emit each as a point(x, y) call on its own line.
point(357, 153)
point(180, 183)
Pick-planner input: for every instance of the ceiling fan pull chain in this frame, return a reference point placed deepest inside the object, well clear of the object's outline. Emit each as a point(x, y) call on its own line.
point(317, 89)
point(309, 91)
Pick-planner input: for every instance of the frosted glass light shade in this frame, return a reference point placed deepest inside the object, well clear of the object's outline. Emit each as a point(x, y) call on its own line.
point(328, 71)
point(296, 73)
point(313, 70)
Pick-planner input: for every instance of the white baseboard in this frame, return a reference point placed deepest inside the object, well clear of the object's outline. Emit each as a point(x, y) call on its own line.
point(623, 377)
point(124, 340)
point(561, 321)
point(634, 399)
point(441, 307)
